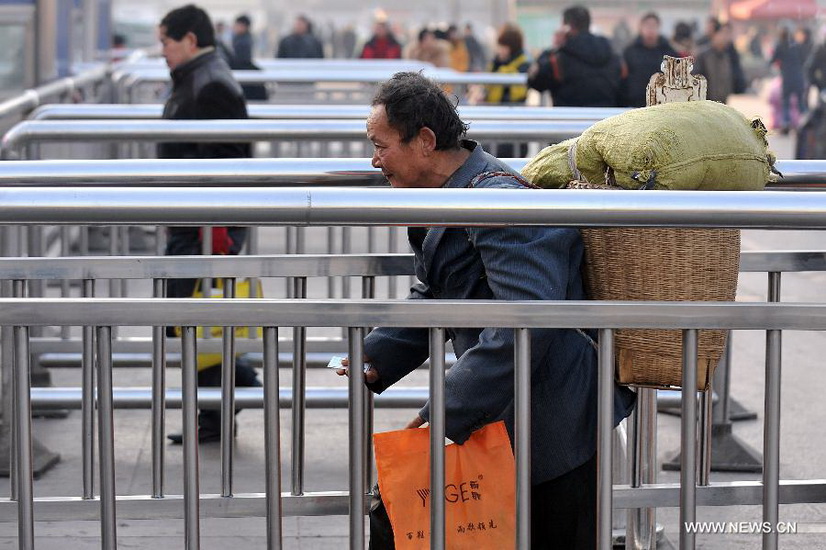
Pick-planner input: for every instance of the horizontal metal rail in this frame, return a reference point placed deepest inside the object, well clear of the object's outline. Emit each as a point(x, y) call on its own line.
point(253, 398)
point(304, 265)
point(375, 75)
point(441, 207)
point(410, 313)
point(34, 97)
point(184, 267)
point(281, 172)
point(335, 503)
point(224, 130)
point(314, 112)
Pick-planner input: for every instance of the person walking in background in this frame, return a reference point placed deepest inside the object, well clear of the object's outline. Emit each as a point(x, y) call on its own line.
point(301, 43)
point(510, 58)
point(459, 56)
point(475, 50)
point(581, 69)
point(243, 45)
point(202, 88)
point(714, 62)
point(788, 55)
point(382, 45)
point(683, 39)
point(224, 50)
point(242, 42)
point(429, 49)
point(642, 59)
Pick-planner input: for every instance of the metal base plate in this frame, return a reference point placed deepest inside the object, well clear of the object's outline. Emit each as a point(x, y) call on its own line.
point(728, 454)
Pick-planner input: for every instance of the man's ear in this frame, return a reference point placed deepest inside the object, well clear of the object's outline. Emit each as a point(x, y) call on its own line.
point(191, 40)
point(427, 141)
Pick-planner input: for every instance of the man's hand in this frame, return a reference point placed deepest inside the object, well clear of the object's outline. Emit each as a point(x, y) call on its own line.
point(415, 423)
point(372, 375)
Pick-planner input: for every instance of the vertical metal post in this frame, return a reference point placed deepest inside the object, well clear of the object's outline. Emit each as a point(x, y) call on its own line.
point(771, 428)
point(688, 432)
point(18, 290)
point(190, 421)
point(368, 292)
point(522, 372)
point(8, 401)
point(299, 387)
point(158, 397)
point(123, 232)
point(300, 240)
point(706, 400)
point(605, 423)
point(356, 432)
point(114, 284)
point(272, 438)
point(641, 529)
point(331, 235)
point(23, 419)
point(88, 397)
point(227, 398)
point(392, 247)
point(106, 439)
point(65, 291)
point(437, 438)
point(346, 248)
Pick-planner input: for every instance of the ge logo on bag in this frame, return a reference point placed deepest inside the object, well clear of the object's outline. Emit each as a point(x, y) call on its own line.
point(469, 490)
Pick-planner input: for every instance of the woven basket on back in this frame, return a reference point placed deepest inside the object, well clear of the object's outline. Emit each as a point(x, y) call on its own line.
point(662, 264)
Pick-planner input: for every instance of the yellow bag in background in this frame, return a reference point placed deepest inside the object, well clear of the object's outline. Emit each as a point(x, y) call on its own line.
point(480, 488)
point(243, 289)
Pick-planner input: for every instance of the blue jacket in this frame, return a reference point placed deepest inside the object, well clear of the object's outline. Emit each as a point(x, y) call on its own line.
point(504, 263)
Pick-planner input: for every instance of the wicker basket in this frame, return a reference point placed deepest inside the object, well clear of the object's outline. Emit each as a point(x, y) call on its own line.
point(662, 264)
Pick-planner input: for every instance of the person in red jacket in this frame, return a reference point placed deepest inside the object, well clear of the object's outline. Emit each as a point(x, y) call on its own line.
point(382, 45)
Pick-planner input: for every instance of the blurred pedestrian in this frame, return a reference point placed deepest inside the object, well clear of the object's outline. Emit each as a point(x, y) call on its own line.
point(429, 49)
point(581, 69)
point(242, 42)
point(459, 57)
point(475, 50)
point(510, 59)
point(202, 88)
point(382, 45)
point(301, 43)
point(816, 67)
point(243, 45)
point(642, 59)
point(720, 64)
point(712, 27)
point(683, 39)
point(788, 55)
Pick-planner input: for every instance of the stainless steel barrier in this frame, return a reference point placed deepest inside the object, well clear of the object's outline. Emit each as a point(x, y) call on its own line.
point(25, 133)
point(519, 315)
point(446, 208)
point(323, 112)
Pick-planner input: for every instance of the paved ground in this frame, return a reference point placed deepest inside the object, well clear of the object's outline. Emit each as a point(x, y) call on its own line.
point(803, 450)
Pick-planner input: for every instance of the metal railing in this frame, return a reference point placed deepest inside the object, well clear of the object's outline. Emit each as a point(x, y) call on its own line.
point(324, 112)
point(444, 207)
point(222, 131)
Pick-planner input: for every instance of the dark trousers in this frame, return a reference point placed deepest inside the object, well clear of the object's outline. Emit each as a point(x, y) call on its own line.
point(563, 513)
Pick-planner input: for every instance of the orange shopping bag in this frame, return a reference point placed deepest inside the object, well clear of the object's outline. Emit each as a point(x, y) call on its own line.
point(480, 492)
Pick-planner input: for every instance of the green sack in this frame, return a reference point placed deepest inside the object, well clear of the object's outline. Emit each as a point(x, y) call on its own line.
point(680, 146)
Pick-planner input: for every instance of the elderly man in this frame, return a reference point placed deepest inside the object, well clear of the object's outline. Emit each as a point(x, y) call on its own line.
point(418, 140)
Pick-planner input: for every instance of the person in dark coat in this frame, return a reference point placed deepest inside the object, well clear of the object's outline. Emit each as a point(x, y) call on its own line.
point(302, 43)
point(581, 70)
point(642, 59)
point(243, 45)
point(202, 88)
point(720, 63)
point(382, 45)
point(788, 55)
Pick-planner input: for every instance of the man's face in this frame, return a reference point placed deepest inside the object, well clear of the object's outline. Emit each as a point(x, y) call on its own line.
point(177, 52)
point(650, 31)
point(403, 164)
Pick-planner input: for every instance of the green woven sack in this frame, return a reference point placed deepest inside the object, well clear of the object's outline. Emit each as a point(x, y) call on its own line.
point(680, 146)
